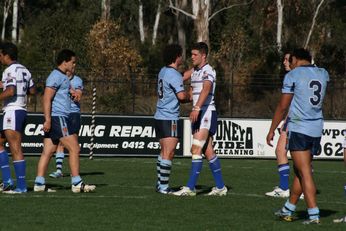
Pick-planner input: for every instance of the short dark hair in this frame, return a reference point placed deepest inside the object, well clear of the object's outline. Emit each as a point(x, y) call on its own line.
point(64, 55)
point(201, 47)
point(302, 54)
point(9, 49)
point(171, 53)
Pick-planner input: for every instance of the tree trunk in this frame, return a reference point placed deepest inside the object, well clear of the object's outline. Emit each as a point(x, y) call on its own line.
point(313, 24)
point(15, 21)
point(201, 10)
point(280, 8)
point(140, 21)
point(105, 9)
point(156, 24)
point(180, 26)
point(21, 20)
point(7, 5)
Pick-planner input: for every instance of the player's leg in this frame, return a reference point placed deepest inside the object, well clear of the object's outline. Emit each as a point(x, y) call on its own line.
point(287, 211)
point(7, 182)
point(50, 143)
point(167, 131)
point(198, 142)
point(302, 147)
point(59, 159)
point(75, 124)
point(71, 144)
point(14, 139)
point(49, 147)
point(302, 162)
point(215, 167)
point(283, 168)
point(168, 146)
point(13, 133)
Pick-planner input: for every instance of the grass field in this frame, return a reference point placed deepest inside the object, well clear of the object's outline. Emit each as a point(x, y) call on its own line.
point(125, 199)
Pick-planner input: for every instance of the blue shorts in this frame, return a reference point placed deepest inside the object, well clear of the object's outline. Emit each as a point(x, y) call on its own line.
point(300, 142)
point(207, 120)
point(60, 127)
point(167, 128)
point(75, 122)
point(13, 120)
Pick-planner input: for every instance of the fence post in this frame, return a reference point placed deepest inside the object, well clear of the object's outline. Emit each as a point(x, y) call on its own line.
point(133, 90)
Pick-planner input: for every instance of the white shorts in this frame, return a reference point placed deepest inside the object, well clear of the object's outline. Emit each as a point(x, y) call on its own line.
point(13, 120)
point(206, 120)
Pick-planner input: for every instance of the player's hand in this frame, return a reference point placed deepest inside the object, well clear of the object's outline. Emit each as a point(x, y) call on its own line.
point(194, 116)
point(270, 138)
point(46, 126)
point(75, 95)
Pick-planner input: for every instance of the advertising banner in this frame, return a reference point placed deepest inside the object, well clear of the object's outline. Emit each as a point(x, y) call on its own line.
point(246, 138)
point(113, 136)
point(135, 136)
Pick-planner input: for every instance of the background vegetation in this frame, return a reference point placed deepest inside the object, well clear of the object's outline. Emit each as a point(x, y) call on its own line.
point(113, 57)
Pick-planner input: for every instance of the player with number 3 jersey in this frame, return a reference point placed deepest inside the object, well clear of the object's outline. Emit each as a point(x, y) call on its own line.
point(171, 93)
point(303, 92)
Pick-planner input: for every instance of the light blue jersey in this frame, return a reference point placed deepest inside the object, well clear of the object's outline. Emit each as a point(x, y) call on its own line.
point(170, 82)
point(61, 105)
point(76, 84)
point(308, 84)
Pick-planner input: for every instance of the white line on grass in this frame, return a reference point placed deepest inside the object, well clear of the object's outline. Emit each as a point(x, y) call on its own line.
point(52, 195)
point(96, 195)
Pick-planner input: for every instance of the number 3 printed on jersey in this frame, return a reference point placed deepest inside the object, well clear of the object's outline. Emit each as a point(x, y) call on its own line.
point(316, 86)
point(160, 89)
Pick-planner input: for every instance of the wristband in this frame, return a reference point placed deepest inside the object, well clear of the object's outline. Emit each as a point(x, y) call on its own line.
point(196, 108)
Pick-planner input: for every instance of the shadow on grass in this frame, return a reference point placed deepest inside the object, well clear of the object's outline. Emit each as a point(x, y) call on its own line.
point(200, 189)
point(303, 215)
point(91, 173)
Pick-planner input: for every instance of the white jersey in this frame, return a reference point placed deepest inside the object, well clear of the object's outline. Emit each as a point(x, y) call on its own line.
point(16, 75)
point(199, 75)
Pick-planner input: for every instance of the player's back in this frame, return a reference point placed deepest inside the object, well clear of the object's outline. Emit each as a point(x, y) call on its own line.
point(309, 83)
point(170, 82)
point(18, 76)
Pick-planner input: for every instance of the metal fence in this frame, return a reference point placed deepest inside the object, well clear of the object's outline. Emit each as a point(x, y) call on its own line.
point(245, 97)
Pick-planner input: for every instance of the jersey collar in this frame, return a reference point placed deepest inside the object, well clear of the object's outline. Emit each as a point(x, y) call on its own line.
point(200, 68)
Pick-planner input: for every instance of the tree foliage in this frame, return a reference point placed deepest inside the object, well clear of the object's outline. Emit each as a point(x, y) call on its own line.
point(243, 45)
point(111, 54)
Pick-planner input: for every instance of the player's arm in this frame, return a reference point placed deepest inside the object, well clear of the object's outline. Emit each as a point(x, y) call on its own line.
point(187, 74)
point(280, 112)
point(184, 97)
point(9, 92)
point(47, 107)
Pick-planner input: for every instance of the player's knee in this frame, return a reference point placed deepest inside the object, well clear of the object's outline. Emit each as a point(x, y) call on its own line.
point(197, 146)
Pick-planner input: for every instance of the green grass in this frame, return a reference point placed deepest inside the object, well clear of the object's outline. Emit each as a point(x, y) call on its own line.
point(125, 199)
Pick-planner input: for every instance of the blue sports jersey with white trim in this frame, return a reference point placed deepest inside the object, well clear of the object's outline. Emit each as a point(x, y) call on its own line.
point(76, 84)
point(170, 82)
point(61, 105)
point(308, 84)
